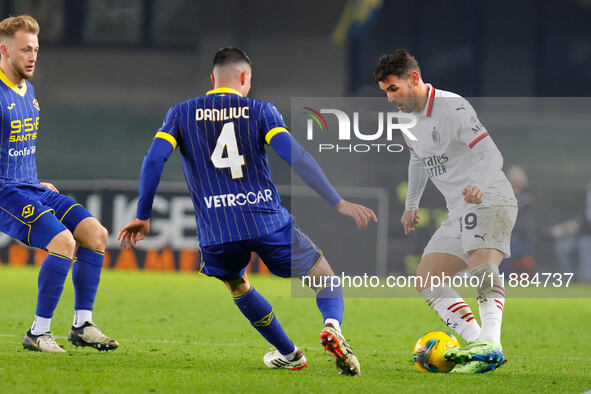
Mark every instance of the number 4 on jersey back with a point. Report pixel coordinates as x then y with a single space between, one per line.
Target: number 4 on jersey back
234 160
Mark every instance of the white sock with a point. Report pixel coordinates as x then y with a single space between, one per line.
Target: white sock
491 301
82 316
40 325
453 310
291 355
335 323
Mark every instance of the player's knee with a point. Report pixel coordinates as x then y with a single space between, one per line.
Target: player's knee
420 284
238 287
63 244
102 234
321 270
94 235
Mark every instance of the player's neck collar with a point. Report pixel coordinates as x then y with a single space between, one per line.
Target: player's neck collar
426 112
224 90
21 90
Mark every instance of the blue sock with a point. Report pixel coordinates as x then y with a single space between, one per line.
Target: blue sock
86 275
330 302
52 276
261 315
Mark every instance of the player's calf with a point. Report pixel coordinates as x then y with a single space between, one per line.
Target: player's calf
491 301
261 315
453 310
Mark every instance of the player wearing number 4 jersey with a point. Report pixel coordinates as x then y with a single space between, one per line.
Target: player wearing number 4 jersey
222 137
455 151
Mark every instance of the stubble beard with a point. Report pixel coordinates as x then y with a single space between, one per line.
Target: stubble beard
22 73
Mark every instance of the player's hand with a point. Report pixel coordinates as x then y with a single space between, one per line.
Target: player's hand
49 186
361 214
132 232
409 220
473 195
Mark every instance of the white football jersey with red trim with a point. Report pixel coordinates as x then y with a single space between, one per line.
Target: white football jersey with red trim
447 129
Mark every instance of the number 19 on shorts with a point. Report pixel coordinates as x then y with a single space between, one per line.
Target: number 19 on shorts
469 222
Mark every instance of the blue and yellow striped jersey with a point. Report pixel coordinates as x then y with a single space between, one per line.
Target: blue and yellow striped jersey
221 137
19 124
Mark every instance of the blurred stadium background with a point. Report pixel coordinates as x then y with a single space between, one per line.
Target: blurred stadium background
108 71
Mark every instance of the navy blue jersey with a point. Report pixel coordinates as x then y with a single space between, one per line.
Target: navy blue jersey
19 123
221 137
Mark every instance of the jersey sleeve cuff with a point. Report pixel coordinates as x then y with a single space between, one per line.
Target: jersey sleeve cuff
167 137
477 139
143 215
273 132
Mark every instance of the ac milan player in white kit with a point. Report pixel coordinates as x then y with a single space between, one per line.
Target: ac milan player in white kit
455 151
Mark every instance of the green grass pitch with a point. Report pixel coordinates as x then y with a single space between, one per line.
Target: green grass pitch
182 333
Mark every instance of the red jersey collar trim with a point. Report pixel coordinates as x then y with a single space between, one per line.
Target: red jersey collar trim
431 99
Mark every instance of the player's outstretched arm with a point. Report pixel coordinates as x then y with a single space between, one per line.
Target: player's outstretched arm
290 150
138 228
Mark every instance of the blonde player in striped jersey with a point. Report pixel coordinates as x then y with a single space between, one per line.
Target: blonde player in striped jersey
455 151
35 212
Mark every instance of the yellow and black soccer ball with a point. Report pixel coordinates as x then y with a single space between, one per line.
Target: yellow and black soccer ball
428 352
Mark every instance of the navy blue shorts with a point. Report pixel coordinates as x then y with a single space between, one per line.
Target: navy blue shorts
287 252
35 215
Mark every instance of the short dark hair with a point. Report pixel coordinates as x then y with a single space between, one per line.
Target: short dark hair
230 55
399 63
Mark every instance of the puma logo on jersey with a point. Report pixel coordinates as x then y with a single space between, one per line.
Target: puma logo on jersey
11 106
480 236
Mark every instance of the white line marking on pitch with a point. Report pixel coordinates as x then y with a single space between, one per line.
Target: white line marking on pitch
164 341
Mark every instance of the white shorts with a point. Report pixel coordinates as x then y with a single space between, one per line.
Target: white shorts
477 228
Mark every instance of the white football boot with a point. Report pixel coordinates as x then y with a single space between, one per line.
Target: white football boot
274 359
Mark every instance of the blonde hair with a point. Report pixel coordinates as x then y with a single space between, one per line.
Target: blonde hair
9 26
